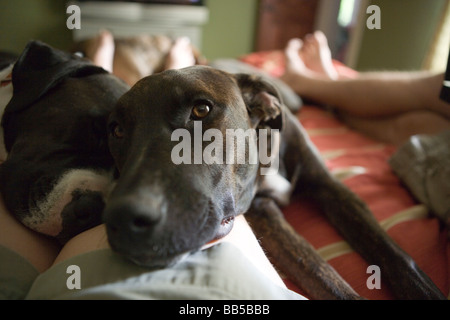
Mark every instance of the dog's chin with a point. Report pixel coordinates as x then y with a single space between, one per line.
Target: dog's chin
149 259
153 262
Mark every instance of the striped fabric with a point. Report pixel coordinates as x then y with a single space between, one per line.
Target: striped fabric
361 164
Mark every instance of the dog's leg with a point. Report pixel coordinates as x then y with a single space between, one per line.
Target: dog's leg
293 255
351 217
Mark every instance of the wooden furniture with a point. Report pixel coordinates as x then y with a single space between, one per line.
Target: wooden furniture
281 20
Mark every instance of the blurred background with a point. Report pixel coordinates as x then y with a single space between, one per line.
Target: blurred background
414 34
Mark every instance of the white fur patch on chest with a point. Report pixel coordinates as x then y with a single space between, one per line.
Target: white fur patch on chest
280 188
46 216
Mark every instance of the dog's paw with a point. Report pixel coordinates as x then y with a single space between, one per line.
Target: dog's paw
83 212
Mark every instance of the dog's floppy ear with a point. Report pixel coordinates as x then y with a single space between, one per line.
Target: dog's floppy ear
263 101
39 69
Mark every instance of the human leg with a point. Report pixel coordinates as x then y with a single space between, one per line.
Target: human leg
39 250
316 55
388 106
100 50
398 129
241 235
234 268
371 94
180 55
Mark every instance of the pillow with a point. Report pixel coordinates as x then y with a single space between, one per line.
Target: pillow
362 165
423 164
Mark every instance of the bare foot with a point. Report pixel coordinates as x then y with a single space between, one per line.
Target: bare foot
293 61
316 55
101 50
296 72
180 55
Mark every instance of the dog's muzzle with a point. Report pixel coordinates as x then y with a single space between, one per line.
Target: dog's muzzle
154 233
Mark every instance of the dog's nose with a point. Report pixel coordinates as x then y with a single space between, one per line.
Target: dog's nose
131 218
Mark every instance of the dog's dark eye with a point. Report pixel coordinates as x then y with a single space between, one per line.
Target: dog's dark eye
117 130
200 111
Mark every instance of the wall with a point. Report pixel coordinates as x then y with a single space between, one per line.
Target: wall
229 32
407 27
401 44
24 20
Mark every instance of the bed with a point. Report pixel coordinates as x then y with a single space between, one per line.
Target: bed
363 165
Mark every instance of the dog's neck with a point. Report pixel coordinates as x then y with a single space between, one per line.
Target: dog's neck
6 93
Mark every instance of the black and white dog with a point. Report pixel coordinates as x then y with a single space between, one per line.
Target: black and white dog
57 167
